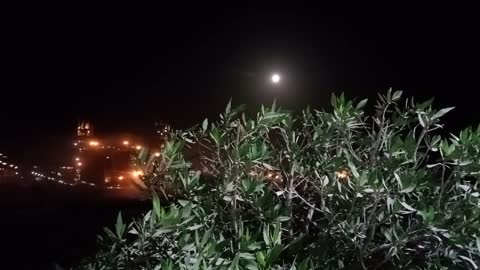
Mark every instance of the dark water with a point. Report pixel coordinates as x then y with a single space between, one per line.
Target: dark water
41 227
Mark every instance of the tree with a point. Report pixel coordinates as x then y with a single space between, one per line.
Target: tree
314 190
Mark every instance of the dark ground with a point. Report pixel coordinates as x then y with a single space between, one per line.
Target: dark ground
41 227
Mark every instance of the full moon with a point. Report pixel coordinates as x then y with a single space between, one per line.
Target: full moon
275 78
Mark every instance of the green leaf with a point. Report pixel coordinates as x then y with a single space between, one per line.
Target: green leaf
361 104
119 226
342 99
274 105
189 247
397 95
187 210
390 204
407 190
474 265
442 112
164 230
260 258
465 163
183 202
205 125
251 266
421 120
266 235
247 256
273 255
305 265
235 261
333 100
255 246
399 181
229 106
195 227
215 136
353 168
408 207
426 104
282 218
156 206
478 243
206 236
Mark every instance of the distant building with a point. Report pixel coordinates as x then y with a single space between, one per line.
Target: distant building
9 171
105 161
84 129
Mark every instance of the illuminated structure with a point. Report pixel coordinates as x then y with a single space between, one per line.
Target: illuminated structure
105 162
84 129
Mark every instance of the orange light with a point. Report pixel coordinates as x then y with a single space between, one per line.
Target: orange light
157 154
120 177
138 147
343 174
137 173
79 164
77 159
93 143
125 142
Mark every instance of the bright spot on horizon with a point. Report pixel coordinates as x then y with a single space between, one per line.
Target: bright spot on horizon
275 78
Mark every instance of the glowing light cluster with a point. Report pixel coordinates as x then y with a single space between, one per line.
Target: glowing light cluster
93 143
137 173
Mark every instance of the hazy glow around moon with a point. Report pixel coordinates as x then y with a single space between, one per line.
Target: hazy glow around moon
275 78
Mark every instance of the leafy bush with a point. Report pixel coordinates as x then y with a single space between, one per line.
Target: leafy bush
314 190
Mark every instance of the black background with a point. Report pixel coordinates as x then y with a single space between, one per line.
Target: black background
125 70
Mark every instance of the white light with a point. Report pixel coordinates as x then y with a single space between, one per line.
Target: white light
275 78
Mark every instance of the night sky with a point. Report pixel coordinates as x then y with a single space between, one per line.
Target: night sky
123 70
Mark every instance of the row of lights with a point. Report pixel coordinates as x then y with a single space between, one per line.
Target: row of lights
9 165
95 143
40 176
6 166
